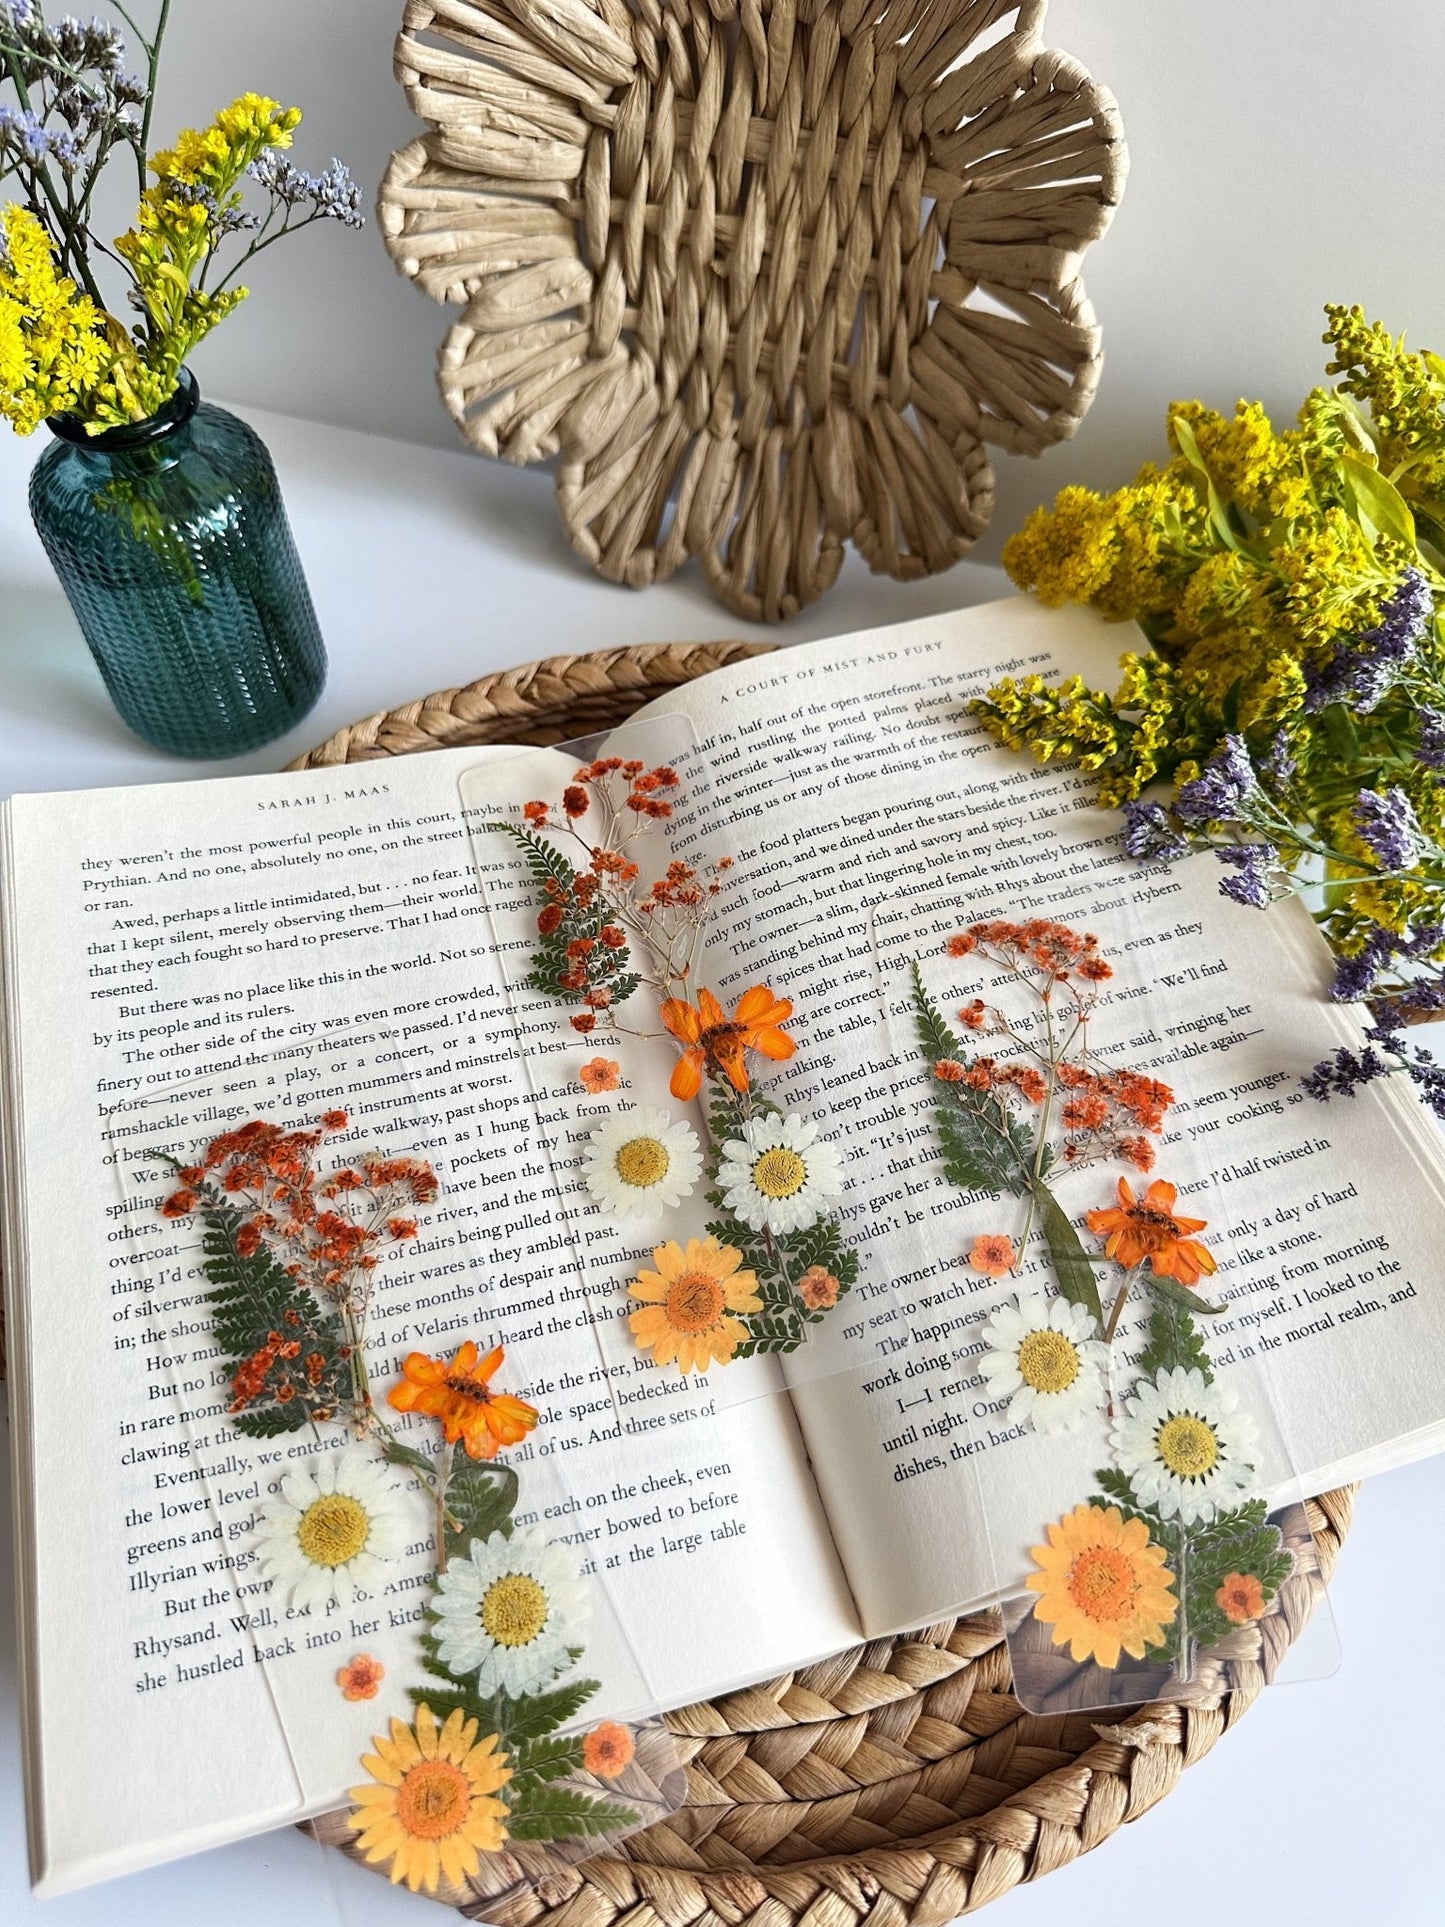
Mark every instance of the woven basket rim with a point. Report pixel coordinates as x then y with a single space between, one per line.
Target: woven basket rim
917 1879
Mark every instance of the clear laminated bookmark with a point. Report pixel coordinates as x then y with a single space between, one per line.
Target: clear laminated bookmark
1105 1264
702 1185
393 1615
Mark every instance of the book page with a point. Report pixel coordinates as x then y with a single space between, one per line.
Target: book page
180 959
871 817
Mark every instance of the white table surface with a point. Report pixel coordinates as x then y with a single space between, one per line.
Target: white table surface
429 569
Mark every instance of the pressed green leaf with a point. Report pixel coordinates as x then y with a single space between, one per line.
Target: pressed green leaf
481 1498
983 1146
548 1759
395 1453
564 1813
1174 1342
1180 1295
251 1296
1073 1267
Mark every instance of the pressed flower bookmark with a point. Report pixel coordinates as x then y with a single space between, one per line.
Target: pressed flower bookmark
1160 1580
480 1734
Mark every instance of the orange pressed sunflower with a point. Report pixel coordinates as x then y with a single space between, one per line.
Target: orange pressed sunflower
1148 1227
689 1306
460 1395
1103 1586
715 1042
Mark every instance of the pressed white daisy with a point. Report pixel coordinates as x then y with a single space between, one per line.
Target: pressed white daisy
333 1527
1185 1447
777 1176
509 1611
641 1162
1043 1357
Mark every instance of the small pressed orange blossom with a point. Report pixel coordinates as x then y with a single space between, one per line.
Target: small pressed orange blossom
1240 1598
460 1395
993 1253
715 1042
1148 1227
608 1750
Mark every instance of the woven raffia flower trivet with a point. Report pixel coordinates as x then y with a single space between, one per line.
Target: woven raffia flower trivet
766 276
899 1784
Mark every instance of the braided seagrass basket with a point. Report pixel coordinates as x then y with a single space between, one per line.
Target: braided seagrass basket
766 276
901 1783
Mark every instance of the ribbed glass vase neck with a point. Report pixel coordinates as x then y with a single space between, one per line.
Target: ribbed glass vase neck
155 428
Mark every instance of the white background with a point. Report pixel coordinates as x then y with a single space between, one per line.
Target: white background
1284 154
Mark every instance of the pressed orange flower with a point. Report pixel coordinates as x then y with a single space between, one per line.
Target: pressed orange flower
600 1074
1148 1227
1103 1586
689 1304
361 1679
718 1043
1240 1598
818 1288
460 1395
607 1750
993 1254
430 1810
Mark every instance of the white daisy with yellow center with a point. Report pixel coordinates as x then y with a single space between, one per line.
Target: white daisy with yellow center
641 1162
777 1176
1044 1359
512 1612
334 1527
1185 1447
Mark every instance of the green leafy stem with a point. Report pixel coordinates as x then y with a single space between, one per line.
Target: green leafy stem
778 1260
987 1148
1201 1556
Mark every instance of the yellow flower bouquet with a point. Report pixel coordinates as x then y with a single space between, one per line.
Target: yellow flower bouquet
162 517
1290 587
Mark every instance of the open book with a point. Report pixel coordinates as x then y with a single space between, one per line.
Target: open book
184 957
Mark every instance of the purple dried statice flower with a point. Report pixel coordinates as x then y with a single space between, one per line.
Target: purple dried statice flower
1431 748
1344 1074
1254 861
30 143
333 194
1360 671
1215 795
1355 976
1388 826
1150 835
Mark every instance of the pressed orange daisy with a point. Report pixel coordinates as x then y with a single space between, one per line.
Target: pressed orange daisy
460 1395
600 1074
1148 1227
1103 1586
607 1750
361 1678
1240 1598
689 1304
430 1808
717 1043
993 1254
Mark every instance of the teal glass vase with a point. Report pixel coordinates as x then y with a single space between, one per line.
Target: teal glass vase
171 542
